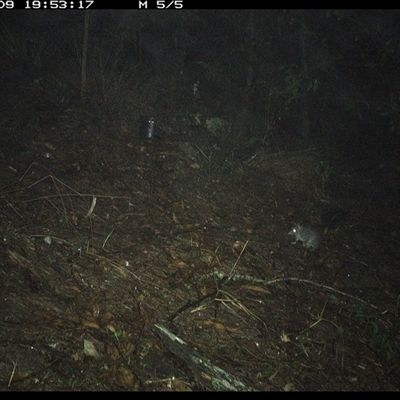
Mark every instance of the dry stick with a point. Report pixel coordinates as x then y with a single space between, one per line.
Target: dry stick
222 275
321 286
59 194
12 374
236 263
214 293
54 178
104 196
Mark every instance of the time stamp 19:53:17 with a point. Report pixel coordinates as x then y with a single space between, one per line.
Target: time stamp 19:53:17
78 4
43 5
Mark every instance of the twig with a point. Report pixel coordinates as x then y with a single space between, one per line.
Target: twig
321 286
12 373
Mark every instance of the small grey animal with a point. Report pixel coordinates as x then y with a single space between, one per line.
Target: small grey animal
308 235
150 128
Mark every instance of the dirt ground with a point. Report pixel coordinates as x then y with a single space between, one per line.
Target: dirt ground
166 264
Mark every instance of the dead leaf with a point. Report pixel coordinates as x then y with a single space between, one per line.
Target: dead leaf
90 350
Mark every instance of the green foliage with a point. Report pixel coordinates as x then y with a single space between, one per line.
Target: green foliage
215 124
375 336
296 84
269 371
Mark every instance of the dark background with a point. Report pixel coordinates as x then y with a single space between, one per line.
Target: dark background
263 119
287 79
